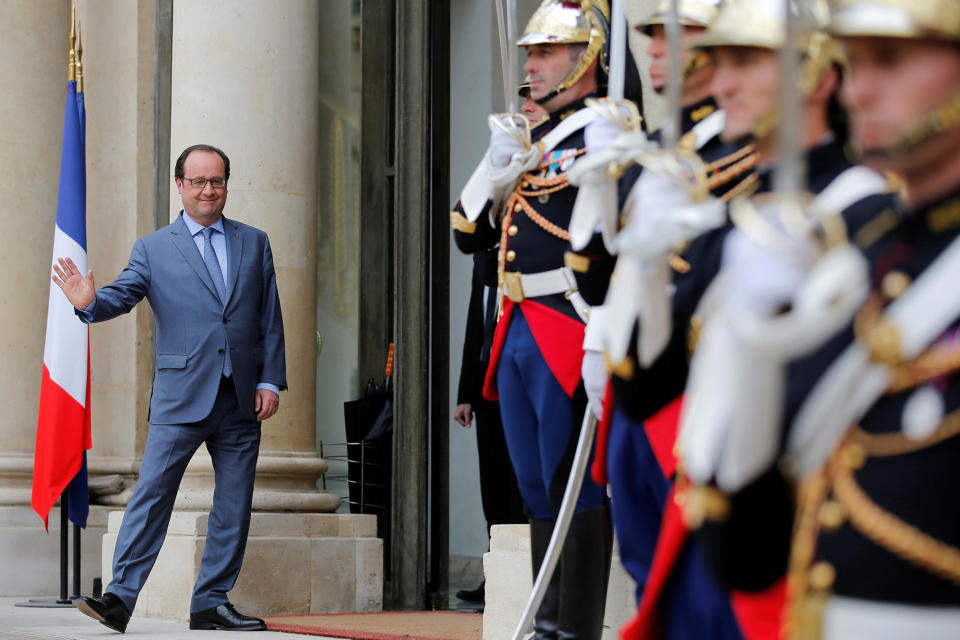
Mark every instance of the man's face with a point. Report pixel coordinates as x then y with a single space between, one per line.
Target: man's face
547 65
203 205
533 111
746 85
659 52
892 84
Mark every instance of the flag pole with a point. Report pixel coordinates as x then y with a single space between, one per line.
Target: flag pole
74 78
64 545
76 563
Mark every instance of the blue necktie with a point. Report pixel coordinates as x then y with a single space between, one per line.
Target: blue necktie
213 266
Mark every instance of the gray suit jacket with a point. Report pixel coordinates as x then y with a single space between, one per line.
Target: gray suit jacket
193 328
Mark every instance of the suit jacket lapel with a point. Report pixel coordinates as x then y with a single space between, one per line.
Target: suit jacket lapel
188 249
234 252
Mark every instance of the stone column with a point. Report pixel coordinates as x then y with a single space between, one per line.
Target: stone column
245 80
33 74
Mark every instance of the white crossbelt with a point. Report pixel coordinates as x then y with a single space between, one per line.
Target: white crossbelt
545 283
853 619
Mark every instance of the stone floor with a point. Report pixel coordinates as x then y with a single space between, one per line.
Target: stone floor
22 623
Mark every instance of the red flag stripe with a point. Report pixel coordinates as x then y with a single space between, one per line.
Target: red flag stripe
62 434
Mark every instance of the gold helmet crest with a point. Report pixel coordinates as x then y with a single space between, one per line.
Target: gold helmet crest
938 19
762 23
571 22
691 13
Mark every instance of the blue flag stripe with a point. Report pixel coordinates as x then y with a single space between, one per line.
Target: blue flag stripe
72 197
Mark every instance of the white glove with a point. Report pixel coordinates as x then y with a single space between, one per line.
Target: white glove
511 152
594 372
502 165
600 134
596 209
764 277
663 215
504 144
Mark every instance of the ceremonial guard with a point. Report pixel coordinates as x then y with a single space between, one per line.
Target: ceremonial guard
518 203
635 466
682 600
860 421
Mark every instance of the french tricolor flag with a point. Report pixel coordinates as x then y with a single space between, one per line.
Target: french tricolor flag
63 425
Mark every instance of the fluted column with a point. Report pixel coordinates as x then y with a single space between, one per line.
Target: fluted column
33 74
245 79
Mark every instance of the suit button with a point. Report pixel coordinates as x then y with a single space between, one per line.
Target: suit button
225 321
220 351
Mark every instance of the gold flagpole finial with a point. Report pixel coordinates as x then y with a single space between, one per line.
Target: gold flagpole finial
79 60
72 66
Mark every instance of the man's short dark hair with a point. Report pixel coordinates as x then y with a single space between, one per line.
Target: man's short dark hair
574 49
178 168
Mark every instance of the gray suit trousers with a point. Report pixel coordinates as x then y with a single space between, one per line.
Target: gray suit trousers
233 441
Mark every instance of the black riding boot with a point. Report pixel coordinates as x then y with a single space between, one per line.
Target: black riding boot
545 619
584 572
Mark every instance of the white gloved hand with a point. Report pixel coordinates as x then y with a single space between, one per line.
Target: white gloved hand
504 144
511 153
762 277
594 372
663 215
600 134
609 143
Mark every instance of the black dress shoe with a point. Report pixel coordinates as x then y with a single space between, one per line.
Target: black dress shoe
473 595
224 616
109 610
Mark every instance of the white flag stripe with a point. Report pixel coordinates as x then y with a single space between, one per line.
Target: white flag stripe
65 345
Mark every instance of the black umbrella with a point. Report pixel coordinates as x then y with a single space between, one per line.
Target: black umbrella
369 429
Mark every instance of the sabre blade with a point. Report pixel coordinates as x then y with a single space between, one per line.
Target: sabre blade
671 128
504 55
618 50
510 76
578 471
789 176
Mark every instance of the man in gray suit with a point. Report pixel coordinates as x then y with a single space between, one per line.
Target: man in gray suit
219 370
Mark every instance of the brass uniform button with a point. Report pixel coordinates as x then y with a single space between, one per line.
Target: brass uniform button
511 255
832 515
894 284
822 576
512 230
524 184
518 208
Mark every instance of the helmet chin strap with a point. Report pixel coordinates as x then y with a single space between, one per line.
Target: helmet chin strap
697 61
946 117
811 74
550 96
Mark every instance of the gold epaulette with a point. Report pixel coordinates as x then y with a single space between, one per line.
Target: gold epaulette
944 217
699 114
879 226
678 264
693 333
700 503
459 223
624 369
